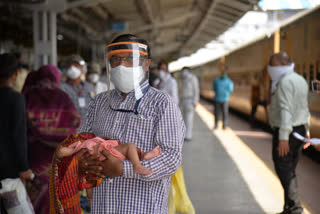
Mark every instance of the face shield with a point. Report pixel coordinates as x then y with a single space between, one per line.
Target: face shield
126 64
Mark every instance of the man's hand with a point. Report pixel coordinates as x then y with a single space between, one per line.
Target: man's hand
26 175
283 148
306 145
88 164
111 166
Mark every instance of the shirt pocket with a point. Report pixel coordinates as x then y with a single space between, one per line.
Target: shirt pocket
140 131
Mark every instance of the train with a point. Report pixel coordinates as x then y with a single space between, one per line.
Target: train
299 37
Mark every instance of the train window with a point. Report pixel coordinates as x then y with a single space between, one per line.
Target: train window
304 73
297 68
318 70
311 76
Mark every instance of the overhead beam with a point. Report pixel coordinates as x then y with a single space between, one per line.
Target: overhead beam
169 23
231 13
85 3
220 20
204 38
227 7
100 12
87 27
147 10
224 15
48 5
61 5
85 16
163 50
203 22
238 4
79 13
84 42
216 28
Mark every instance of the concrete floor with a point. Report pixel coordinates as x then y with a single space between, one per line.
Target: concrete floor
213 180
223 181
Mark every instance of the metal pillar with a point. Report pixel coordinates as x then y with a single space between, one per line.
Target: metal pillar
45 38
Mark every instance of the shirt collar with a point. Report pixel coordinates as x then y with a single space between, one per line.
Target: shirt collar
130 100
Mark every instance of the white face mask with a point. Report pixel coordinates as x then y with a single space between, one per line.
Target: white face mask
73 72
94 78
162 74
184 72
126 79
276 72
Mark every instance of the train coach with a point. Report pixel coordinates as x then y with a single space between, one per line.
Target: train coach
299 37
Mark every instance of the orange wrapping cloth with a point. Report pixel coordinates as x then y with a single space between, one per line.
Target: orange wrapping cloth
65 181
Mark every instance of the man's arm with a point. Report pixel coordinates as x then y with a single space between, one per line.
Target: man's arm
196 90
19 135
169 136
307 126
285 96
231 86
174 89
214 85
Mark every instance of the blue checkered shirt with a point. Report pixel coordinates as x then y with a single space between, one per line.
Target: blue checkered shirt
159 122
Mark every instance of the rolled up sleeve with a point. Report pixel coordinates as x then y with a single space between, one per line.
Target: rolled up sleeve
169 136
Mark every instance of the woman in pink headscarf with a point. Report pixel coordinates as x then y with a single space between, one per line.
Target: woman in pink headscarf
52 117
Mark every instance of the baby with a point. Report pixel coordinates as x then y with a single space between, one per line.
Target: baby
127 151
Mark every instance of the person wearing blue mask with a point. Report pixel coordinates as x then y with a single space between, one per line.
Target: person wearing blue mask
222 87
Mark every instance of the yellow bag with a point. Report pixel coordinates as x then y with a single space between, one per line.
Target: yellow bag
179 200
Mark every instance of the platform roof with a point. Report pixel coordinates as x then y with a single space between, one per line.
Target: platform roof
173 28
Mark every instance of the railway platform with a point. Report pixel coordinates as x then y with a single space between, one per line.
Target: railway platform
231 171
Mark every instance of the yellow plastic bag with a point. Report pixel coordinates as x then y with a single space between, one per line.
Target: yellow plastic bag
179 200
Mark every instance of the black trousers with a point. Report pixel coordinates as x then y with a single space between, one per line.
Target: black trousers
286 169
221 108
254 110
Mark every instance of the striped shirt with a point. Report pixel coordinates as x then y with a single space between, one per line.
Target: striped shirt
159 122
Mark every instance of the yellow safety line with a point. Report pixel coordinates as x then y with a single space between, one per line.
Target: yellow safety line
243 155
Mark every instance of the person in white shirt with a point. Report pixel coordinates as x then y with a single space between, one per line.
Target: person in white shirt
188 99
93 76
167 82
80 91
288 113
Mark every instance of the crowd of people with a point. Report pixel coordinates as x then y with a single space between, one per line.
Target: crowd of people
127 103
44 107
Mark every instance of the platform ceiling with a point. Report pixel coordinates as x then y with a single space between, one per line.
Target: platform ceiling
173 28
